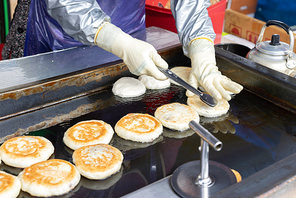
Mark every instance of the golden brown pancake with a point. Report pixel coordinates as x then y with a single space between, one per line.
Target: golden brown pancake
202 109
24 151
176 116
97 161
138 127
10 185
49 178
88 133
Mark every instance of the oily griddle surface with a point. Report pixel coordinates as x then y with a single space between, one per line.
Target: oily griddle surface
255 134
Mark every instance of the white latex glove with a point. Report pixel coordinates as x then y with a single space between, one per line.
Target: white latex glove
205 73
139 56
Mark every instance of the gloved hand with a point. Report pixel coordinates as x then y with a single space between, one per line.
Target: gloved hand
205 73
140 57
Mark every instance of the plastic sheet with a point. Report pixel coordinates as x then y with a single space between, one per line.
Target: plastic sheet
44 34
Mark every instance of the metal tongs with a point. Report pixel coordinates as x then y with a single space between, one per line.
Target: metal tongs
206 98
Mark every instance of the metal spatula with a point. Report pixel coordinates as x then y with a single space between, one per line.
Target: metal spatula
206 98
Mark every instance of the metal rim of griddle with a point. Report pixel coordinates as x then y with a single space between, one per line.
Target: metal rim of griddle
184 178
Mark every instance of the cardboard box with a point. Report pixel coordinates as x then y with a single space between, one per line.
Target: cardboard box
249 28
244 7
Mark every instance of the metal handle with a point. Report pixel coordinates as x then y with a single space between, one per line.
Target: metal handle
281 25
206 135
206 139
206 98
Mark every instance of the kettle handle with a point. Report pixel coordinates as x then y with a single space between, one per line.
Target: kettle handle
281 25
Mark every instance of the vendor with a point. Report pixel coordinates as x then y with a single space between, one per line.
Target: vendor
57 24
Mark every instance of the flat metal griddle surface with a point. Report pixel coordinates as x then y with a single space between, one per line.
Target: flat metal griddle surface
263 136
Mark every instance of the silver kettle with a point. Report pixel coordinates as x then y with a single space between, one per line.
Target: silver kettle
275 54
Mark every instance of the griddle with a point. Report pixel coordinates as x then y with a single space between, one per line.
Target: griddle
264 135
263 138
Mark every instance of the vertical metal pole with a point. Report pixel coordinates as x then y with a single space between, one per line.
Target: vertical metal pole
204 179
206 139
204 172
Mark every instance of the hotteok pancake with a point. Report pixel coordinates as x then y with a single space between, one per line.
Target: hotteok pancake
88 133
138 127
10 185
128 87
24 151
49 178
176 116
152 83
202 109
97 161
182 72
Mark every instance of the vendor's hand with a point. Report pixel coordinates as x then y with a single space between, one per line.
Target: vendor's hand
205 73
140 57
